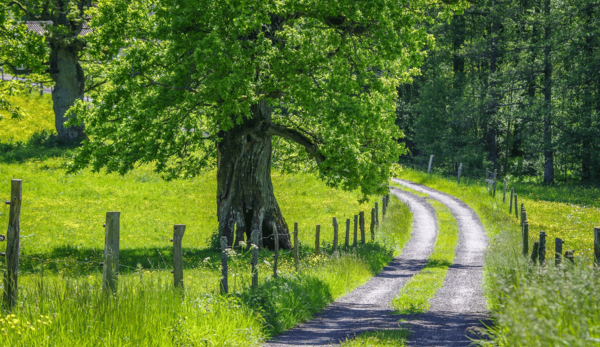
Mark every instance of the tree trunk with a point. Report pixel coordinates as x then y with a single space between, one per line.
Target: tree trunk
244 190
548 150
68 77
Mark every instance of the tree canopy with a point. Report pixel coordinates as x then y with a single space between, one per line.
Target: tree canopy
185 72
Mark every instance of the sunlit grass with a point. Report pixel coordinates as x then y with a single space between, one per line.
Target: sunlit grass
39 117
532 306
415 295
379 338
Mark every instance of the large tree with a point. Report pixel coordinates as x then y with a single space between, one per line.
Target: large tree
199 81
45 42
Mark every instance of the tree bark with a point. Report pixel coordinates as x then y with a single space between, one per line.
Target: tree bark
548 150
245 199
69 81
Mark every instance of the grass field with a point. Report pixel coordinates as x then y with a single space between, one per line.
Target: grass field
60 300
533 306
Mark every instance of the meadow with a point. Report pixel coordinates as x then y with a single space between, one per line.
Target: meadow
60 298
532 305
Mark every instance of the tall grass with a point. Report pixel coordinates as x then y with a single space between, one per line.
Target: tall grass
73 310
532 306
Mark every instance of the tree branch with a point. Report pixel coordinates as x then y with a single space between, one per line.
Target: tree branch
294 135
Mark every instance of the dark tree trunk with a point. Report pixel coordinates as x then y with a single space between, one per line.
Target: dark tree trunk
69 81
548 150
245 199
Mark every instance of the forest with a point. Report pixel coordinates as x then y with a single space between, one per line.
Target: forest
512 86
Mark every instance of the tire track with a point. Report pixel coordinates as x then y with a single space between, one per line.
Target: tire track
459 305
369 307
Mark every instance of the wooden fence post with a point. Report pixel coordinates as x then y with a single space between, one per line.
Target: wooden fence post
224 286
317 241
558 251
569 256
296 259
178 232
111 252
355 244
13 245
255 235
525 235
347 243
376 214
362 226
504 192
597 246
495 182
276 255
383 207
459 172
516 206
535 252
542 248
430 162
512 193
335 234
372 225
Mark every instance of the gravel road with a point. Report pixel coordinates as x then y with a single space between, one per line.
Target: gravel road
457 309
459 305
369 306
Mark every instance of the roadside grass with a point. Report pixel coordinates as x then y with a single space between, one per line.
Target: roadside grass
533 306
415 294
148 312
379 338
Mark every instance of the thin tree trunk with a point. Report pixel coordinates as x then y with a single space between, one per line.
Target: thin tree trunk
548 150
244 189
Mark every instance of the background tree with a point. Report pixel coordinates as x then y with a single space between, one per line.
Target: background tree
51 49
206 81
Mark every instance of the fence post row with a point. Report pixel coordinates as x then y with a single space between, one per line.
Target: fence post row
516 205
255 237
504 192
355 243
347 243
459 172
525 238
495 182
558 251
376 214
224 286
362 226
542 249
535 252
296 259
430 162
111 252
317 241
512 193
372 226
276 255
178 231
335 234
13 245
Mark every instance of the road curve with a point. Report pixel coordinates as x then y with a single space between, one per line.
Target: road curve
369 306
459 305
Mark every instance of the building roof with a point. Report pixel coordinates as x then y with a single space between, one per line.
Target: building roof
39 27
